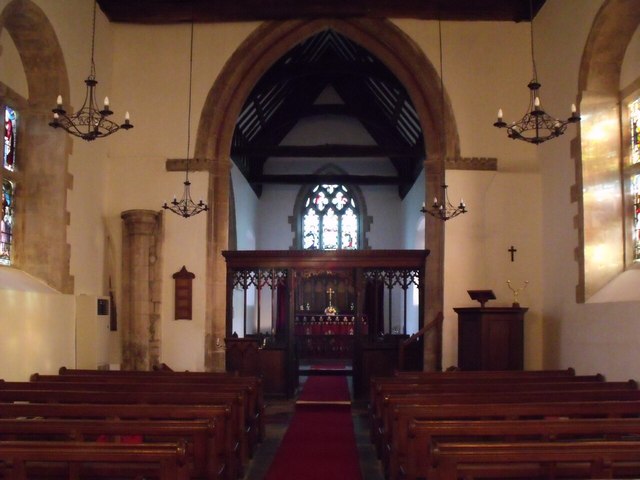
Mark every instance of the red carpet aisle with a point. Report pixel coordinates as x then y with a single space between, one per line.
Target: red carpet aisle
320 443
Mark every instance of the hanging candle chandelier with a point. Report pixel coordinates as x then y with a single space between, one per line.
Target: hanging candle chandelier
443 209
186 207
536 126
89 122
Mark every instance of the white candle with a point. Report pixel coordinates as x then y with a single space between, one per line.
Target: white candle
126 116
500 114
106 102
59 100
536 103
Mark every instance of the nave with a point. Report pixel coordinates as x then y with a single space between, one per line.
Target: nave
180 425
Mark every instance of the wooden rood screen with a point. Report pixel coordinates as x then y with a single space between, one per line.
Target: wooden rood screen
344 304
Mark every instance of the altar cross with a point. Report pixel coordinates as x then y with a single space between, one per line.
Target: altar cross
330 292
512 251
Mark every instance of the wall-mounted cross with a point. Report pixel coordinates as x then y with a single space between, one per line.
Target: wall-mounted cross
512 251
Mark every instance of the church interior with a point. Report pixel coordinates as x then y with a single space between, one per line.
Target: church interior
283 185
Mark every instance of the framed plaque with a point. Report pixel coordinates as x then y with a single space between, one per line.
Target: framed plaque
183 294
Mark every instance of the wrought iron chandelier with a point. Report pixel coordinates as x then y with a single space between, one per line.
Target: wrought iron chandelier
186 207
89 122
536 126
444 209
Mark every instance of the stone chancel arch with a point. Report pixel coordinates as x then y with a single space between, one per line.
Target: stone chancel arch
224 102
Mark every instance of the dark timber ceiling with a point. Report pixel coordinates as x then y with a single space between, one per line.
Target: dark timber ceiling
177 11
371 94
287 92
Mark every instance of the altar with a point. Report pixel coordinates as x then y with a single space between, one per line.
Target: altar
313 304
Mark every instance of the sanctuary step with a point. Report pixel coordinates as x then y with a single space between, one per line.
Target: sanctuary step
338 367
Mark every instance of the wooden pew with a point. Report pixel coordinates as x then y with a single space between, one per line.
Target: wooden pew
219 415
90 459
204 443
478 393
385 389
567 372
425 434
588 459
234 400
206 381
394 438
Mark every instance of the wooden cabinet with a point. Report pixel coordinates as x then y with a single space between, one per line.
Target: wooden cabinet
491 338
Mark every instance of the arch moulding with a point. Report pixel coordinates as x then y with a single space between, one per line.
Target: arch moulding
242 71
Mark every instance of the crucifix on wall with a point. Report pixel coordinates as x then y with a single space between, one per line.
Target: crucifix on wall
512 250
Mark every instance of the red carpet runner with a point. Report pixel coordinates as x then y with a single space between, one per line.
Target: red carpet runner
319 443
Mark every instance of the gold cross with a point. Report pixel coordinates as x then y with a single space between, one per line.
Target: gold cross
330 292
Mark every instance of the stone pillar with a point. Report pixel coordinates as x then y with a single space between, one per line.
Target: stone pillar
141 281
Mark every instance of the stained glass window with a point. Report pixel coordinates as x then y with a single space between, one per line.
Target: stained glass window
634 150
635 194
9 154
330 219
634 122
6 222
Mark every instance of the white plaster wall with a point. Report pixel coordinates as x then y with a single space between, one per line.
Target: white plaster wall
503 211
590 337
151 67
37 333
246 205
486 66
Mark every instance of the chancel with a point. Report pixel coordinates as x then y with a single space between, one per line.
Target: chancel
315 132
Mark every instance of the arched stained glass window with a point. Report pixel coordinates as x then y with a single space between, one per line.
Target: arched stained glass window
330 219
8 186
9 155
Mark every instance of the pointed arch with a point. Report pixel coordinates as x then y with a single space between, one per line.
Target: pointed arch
223 104
42 217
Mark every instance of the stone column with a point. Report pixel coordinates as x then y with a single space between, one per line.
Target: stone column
141 237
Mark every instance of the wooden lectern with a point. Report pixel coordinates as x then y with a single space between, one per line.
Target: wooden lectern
490 338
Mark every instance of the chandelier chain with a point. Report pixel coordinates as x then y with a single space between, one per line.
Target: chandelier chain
93 41
442 122
533 57
189 106
443 209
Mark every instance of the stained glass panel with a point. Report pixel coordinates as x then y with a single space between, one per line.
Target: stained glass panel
310 230
330 230
9 155
634 121
349 230
635 194
6 222
330 219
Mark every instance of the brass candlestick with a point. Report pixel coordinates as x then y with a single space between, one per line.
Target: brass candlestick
516 291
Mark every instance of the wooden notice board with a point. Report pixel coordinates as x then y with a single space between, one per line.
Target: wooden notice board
183 294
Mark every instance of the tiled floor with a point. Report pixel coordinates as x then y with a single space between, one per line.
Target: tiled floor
277 418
